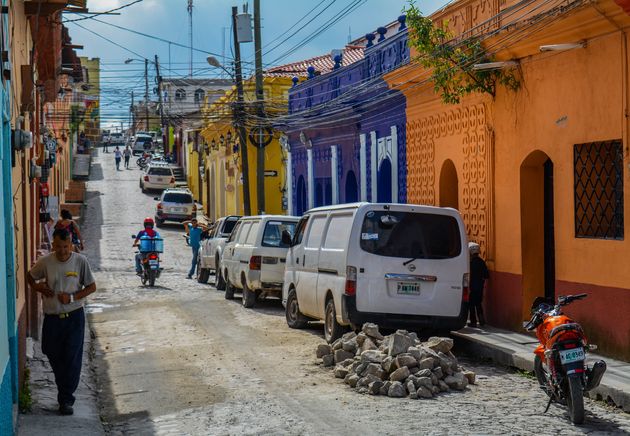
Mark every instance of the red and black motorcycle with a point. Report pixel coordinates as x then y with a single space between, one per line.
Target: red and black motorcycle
560 362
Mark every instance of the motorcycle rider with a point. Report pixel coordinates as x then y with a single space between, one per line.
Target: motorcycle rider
148 231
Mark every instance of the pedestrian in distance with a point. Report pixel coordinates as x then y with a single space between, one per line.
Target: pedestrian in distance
66 222
127 154
194 230
478 276
117 157
65 279
106 144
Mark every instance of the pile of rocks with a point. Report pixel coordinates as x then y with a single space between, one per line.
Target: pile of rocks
396 365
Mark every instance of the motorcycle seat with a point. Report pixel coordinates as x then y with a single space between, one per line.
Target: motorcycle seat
565 327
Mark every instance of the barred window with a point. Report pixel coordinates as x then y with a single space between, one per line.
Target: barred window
598 190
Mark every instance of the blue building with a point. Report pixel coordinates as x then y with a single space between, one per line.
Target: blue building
8 325
346 129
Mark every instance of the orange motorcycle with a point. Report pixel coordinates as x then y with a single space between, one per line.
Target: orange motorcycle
560 362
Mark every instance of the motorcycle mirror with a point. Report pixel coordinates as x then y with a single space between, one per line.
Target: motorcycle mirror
156 198
133 236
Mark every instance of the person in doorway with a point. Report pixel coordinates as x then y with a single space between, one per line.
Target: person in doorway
127 154
478 276
194 230
65 279
117 157
148 231
66 222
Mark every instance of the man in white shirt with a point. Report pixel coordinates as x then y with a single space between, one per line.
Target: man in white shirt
65 280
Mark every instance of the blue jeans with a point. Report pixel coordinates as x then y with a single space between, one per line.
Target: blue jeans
195 252
139 257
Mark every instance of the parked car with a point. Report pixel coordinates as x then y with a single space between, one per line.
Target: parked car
211 249
396 265
175 204
141 144
254 256
157 176
117 138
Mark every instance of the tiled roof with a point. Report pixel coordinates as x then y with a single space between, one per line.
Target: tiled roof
323 64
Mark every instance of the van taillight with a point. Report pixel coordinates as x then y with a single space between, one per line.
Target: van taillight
146 178
254 262
159 205
172 179
194 208
465 288
351 280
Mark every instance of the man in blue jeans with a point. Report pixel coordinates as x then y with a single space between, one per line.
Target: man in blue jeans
194 230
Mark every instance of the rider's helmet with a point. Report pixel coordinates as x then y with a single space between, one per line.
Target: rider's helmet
474 248
148 222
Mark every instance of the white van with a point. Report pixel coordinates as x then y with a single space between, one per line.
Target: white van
398 265
254 256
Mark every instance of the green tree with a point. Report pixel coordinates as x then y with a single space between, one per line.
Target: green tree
451 61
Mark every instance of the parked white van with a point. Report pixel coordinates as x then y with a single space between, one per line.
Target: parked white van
398 265
254 256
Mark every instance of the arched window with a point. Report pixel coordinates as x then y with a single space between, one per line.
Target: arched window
180 94
199 96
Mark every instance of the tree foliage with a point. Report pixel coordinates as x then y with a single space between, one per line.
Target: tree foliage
451 61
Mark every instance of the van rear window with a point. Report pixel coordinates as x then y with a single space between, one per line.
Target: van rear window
158 171
410 235
273 233
175 197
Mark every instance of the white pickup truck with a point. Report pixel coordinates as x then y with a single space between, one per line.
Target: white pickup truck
211 248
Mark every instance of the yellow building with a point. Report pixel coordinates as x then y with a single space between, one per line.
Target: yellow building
219 152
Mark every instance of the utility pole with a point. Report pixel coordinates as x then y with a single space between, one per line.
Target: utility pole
190 33
146 93
133 116
260 96
159 89
239 115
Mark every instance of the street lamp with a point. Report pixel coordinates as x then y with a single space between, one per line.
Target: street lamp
214 62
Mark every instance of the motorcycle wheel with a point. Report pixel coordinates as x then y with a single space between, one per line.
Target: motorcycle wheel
152 277
144 278
575 400
542 376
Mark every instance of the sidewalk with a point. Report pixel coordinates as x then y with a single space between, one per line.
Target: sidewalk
516 350
44 419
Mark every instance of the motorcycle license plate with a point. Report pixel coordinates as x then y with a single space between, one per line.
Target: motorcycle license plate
153 262
407 288
572 355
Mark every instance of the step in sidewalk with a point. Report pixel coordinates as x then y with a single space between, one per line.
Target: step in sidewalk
517 350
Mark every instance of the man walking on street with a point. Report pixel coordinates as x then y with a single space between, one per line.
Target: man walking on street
67 280
194 229
127 155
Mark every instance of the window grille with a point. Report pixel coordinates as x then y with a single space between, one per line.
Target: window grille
598 183
180 94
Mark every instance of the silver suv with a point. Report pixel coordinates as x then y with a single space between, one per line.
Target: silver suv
175 204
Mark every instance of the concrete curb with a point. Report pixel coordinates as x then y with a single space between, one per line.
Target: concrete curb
516 350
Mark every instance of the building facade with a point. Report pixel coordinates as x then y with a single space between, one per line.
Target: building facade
539 174
346 129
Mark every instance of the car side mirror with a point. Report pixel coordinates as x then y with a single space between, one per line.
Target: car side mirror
156 198
133 236
287 239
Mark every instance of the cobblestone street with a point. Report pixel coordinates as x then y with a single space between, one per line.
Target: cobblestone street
180 359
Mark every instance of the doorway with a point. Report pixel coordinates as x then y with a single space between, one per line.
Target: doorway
449 185
352 191
384 193
537 229
300 197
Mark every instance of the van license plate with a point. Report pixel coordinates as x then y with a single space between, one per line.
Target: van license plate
407 288
159 179
572 355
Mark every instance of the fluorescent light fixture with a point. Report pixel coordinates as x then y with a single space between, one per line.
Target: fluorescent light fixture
562 47
495 65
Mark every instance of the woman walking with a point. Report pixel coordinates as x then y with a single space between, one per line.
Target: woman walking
118 157
66 222
127 154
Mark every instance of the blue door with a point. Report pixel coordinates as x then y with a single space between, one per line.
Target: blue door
385 182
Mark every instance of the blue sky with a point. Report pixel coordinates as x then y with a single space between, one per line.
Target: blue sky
168 19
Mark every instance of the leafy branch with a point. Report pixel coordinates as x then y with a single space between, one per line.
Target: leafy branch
451 63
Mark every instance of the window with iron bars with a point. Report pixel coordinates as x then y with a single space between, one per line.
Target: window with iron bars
598 187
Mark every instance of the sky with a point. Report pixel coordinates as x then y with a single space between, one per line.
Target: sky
291 30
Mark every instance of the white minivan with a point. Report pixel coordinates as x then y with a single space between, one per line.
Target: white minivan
254 256
397 265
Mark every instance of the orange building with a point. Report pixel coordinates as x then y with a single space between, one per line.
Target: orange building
540 174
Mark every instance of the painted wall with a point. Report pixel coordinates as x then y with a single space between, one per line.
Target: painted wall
346 132
498 147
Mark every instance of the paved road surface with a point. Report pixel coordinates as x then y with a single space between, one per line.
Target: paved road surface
180 359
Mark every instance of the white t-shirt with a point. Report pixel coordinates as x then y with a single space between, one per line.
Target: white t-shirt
69 277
